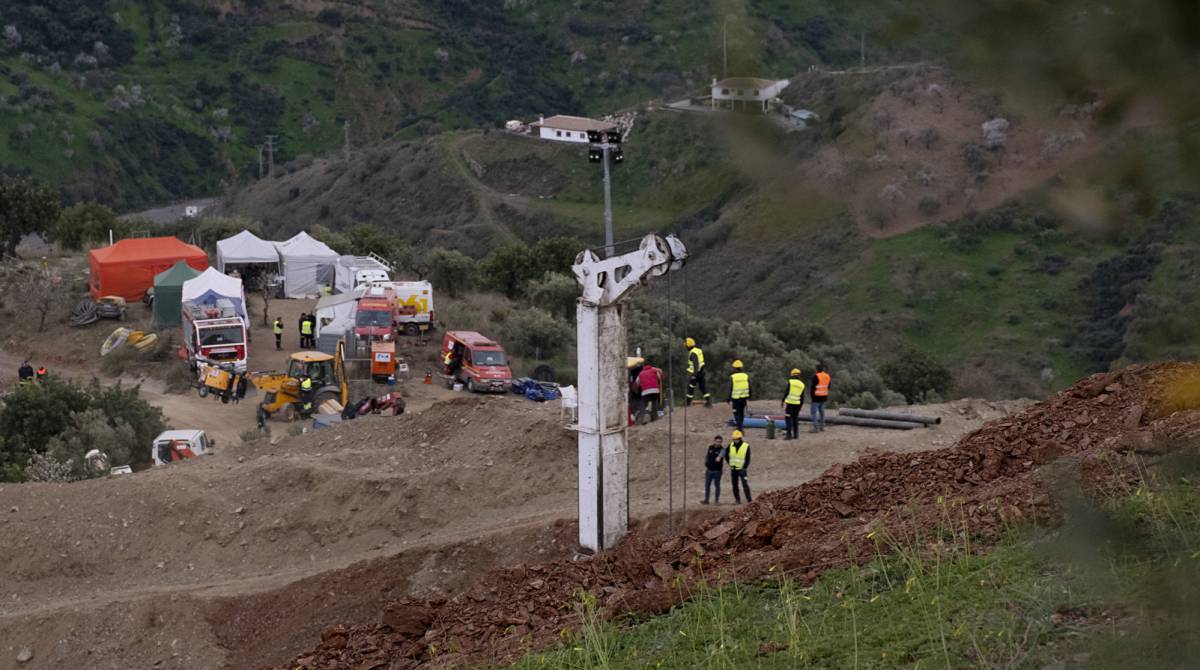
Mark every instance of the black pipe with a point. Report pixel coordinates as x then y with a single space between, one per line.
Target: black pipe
890 416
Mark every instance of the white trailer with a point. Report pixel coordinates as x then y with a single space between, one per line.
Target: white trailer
350 272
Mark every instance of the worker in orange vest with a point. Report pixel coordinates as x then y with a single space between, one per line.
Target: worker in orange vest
820 393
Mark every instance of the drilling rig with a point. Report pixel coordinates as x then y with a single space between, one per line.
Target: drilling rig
603 381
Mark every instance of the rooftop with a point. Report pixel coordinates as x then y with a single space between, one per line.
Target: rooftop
575 123
746 82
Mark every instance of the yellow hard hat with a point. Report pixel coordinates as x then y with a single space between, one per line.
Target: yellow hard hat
737 365
689 342
795 372
737 434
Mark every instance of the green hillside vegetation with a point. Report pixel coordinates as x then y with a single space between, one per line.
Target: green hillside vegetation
130 102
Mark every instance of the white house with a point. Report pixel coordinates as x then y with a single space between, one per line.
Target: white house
562 128
746 93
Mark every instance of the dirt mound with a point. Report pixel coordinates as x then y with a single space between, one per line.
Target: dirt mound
989 477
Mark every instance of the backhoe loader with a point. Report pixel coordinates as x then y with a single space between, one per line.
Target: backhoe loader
282 393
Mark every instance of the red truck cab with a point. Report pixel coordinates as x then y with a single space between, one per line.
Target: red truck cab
476 361
375 317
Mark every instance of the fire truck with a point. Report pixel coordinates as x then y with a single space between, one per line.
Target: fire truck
214 333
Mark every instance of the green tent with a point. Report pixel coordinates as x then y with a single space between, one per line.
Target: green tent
168 293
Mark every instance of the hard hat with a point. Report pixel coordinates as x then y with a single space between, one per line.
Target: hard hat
737 434
795 372
689 342
737 365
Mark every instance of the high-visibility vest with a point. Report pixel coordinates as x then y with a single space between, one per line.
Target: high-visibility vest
822 389
737 455
306 384
693 368
795 394
741 385
278 328
306 327
448 358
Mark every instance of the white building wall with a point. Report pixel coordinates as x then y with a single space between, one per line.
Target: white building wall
560 135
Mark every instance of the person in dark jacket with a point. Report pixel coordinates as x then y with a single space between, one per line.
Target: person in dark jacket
25 373
712 470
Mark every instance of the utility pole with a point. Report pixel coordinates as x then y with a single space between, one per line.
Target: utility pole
346 134
260 161
862 49
270 155
725 49
603 145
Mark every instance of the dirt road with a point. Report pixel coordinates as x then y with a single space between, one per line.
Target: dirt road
245 554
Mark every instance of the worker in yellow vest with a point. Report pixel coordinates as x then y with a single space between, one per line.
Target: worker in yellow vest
695 369
793 400
737 455
306 333
739 393
820 393
277 328
306 395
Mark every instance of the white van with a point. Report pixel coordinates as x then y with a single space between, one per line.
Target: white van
176 445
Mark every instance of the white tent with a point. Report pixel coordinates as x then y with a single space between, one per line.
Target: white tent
245 248
338 309
306 264
212 286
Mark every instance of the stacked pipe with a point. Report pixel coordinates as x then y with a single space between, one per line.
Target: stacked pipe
890 416
851 417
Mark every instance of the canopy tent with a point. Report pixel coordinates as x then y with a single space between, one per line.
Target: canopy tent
210 286
245 248
128 267
168 292
306 264
335 309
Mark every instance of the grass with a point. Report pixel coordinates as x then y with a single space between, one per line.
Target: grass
1011 292
1099 588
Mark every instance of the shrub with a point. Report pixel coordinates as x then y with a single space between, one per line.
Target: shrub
556 293
864 400
929 206
914 373
63 420
83 223
535 332
451 271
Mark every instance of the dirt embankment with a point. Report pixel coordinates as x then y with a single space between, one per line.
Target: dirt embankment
992 474
242 557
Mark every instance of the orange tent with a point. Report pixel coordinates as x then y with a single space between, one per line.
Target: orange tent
127 268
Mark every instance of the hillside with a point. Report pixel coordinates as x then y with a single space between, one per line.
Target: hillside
133 102
892 222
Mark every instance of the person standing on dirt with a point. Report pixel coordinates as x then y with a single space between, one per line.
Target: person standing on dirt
820 393
306 331
649 384
712 469
739 393
737 454
277 328
41 375
300 327
695 371
25 373
793 400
